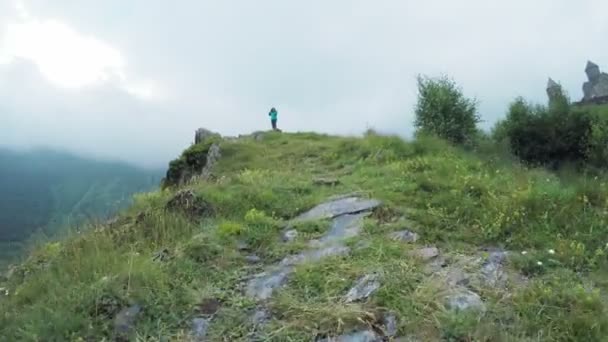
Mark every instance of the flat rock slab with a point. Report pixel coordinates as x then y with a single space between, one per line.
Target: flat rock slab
464 300
359 336
390 325
343 227
315 255
264 284
364 288
426 253
200 327
253 259
404 236
125 320
261 316
338 207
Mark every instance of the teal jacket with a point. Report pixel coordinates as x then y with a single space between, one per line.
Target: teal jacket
273 115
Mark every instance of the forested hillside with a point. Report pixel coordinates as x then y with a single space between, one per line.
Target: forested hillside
43 191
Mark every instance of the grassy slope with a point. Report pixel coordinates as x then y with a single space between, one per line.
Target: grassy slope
460 202
59 190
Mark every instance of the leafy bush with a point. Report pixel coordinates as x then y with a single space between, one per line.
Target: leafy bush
443 110
550 136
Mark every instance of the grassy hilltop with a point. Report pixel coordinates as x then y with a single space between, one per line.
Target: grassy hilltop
181 259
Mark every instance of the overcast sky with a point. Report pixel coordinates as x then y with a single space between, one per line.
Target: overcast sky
133 79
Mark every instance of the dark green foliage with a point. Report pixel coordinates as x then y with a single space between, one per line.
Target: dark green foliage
44 191
555 135
191 162
443 110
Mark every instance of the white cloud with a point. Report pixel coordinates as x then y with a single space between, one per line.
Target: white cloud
140 76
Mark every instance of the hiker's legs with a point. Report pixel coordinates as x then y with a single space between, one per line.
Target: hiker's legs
274 124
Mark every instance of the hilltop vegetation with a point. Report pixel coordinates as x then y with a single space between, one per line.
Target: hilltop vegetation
43 192
297 237
179 255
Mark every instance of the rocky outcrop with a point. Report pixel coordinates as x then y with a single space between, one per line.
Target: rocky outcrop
197 161
597 84
203 134
347 214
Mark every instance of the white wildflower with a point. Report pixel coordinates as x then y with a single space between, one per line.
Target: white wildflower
539 263
551 251
524 252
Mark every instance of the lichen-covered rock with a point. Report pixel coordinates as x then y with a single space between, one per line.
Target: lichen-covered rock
426 253
253 259
290 235
200 327
263 285
339 207
359 336
124 321
597 84
364 288
462 300
404 236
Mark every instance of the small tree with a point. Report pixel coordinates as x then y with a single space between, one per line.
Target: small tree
443 110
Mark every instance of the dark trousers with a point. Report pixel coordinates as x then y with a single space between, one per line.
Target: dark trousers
274 124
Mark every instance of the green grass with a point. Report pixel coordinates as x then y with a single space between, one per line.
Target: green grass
456 200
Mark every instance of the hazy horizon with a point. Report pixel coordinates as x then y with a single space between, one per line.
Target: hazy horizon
132 80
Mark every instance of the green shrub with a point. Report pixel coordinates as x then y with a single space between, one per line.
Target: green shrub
550 136
443 110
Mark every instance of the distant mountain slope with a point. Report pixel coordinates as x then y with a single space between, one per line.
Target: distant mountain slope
44 191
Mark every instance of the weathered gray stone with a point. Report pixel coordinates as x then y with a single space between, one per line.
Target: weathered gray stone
364 288
359 336
390 325
553 89
213 155
203 134
463 299
315 255
426 253
261 316
597 84
253 259
456 276
125 320
263 285
404 236
200 327
343 227
435 265
492 270
335 208
290 235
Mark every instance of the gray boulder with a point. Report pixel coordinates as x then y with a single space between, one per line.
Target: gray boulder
203 134
200 327
359 336
404 236
338 207
364 288
124 321
426 253
463 300
290 235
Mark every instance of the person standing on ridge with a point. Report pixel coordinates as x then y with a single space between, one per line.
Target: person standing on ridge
273 118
